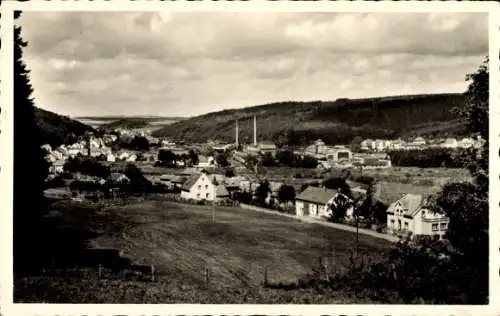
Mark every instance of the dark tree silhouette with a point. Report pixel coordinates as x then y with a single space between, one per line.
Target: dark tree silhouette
167 157
221 160
286 193
193 157
337 183
356 144
262 192
467 204
30 167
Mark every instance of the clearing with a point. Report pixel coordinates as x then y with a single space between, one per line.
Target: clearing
183 243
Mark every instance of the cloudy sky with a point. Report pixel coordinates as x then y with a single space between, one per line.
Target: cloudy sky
183 64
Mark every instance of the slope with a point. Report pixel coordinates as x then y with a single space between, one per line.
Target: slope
55 129
334 121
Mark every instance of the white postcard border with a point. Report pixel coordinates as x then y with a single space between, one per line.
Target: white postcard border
6 157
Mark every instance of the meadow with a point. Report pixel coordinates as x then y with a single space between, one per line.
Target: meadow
195 259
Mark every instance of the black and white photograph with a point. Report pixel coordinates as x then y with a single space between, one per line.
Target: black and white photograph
267 157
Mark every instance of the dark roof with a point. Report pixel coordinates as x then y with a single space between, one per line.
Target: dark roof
188 184
167 177
221 191
411 203
316 195
179 179
118 177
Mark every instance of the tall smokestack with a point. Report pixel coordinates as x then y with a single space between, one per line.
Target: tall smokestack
237 134
255 131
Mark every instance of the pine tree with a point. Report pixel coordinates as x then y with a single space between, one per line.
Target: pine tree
30 167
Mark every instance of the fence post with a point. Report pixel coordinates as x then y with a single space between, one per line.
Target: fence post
152 273
207 278
100 270
266 282
394 274
320 267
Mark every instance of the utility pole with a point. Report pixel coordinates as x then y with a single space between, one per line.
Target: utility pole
357 235
213 203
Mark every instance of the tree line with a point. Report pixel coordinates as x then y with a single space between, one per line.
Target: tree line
429 158
287 158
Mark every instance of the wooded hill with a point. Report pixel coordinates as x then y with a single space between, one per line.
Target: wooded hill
138 122
55 129
333 121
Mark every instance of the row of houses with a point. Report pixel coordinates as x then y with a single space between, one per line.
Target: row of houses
381 145
408 216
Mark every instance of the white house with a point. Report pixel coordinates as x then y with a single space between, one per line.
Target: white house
450 143
466 143
201 186
132 158
409 216
123 155
419 141
366 145
204 161
57 167
314 201
339 154
111 158
46 147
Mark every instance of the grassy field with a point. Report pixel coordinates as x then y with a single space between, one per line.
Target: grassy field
183 243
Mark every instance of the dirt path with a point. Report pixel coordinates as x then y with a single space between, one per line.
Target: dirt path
308 219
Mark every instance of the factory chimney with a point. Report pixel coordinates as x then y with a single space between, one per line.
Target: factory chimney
237 135
255 131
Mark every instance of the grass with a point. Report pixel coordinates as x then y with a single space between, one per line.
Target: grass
181 242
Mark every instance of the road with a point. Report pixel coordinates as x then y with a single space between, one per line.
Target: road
324 223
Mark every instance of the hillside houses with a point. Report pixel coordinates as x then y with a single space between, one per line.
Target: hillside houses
382 145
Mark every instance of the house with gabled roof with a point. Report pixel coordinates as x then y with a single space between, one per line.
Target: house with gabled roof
313 201
203 186
410 216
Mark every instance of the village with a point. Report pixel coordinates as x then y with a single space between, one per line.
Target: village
221 173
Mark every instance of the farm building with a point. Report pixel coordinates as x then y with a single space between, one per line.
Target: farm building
409 216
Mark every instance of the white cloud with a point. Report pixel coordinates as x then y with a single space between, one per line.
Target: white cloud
190 63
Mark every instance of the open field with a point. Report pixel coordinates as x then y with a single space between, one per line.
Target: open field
182 242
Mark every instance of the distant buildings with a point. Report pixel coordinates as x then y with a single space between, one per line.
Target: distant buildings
381 145
337 154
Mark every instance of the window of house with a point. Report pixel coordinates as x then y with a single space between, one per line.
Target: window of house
206 186
198 195
407 225
443 226
199 187
434 227
207 195
392 222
